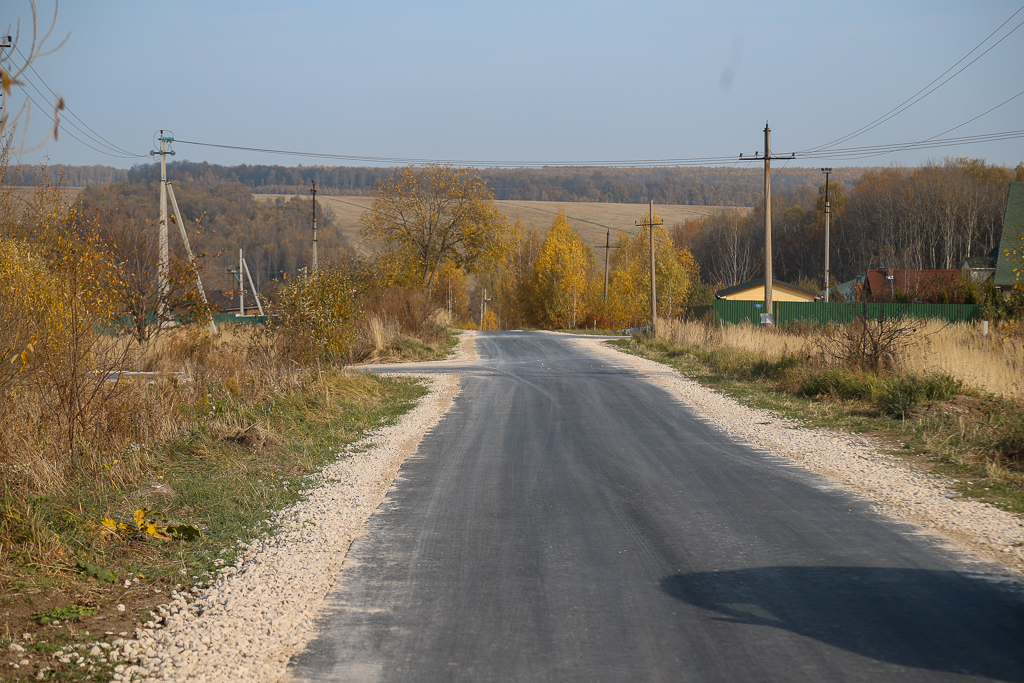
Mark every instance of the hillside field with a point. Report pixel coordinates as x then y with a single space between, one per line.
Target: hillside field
591 219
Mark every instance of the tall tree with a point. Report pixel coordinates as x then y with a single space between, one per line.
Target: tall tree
516 295
565 277
675 272
434 213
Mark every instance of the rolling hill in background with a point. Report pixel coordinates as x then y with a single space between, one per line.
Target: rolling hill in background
591 219
739 185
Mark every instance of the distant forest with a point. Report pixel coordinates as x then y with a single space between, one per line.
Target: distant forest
702 186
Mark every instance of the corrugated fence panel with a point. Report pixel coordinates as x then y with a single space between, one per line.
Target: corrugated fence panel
736 312
823 313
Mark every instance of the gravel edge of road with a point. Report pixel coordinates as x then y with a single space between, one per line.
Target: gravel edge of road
852 461
262 610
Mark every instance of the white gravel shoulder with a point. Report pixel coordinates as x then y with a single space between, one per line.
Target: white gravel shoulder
852 461
260 611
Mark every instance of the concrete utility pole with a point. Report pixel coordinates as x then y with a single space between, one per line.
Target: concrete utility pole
654 302
241 285
164 260
483 308
828 211
315 263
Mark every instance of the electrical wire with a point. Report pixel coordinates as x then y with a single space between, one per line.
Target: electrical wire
639 163
94 136
880 150
65 122
56 122
917 97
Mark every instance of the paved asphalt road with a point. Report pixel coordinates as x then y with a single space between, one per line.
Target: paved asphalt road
569 521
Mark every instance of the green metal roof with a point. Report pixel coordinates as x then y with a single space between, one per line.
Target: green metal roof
1013 234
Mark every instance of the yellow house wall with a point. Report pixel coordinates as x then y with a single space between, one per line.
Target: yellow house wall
778 294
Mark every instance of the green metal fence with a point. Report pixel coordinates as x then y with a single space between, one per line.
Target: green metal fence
823 313
736 312
784 312
244 320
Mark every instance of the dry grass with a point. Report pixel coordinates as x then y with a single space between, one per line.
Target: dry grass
193 371
991 365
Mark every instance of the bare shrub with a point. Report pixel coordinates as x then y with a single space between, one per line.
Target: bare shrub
875 345
414 313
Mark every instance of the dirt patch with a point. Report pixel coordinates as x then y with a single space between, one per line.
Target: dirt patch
966 407
118 612
256 439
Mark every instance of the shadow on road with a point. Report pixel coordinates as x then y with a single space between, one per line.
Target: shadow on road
934 620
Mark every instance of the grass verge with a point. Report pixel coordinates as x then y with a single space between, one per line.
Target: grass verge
225 482
977 440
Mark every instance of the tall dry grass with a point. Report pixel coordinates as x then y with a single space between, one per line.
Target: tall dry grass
185 374
990 364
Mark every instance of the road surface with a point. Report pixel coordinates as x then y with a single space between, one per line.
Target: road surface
569 521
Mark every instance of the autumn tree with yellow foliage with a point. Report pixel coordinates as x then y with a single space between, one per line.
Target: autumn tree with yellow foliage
516 291
565 279
427 216
629 299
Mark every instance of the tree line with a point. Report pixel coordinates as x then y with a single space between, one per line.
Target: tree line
221 217
739 185
929 217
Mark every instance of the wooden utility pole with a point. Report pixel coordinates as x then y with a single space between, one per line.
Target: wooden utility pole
768 274
607 246
654 302
315 262
767 317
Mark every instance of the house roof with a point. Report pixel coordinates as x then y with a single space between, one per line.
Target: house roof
1013 233
848 289
909 280
759 282
976 262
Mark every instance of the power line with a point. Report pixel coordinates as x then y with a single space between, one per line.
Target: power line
92 134
641 163
880 150
95 149
917 97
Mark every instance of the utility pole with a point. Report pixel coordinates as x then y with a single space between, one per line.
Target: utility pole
483 308
7 42
654 302
767 317
607 247
314 227
828 211
241 286
164 260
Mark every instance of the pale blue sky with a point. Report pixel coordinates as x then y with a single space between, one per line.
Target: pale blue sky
527 81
